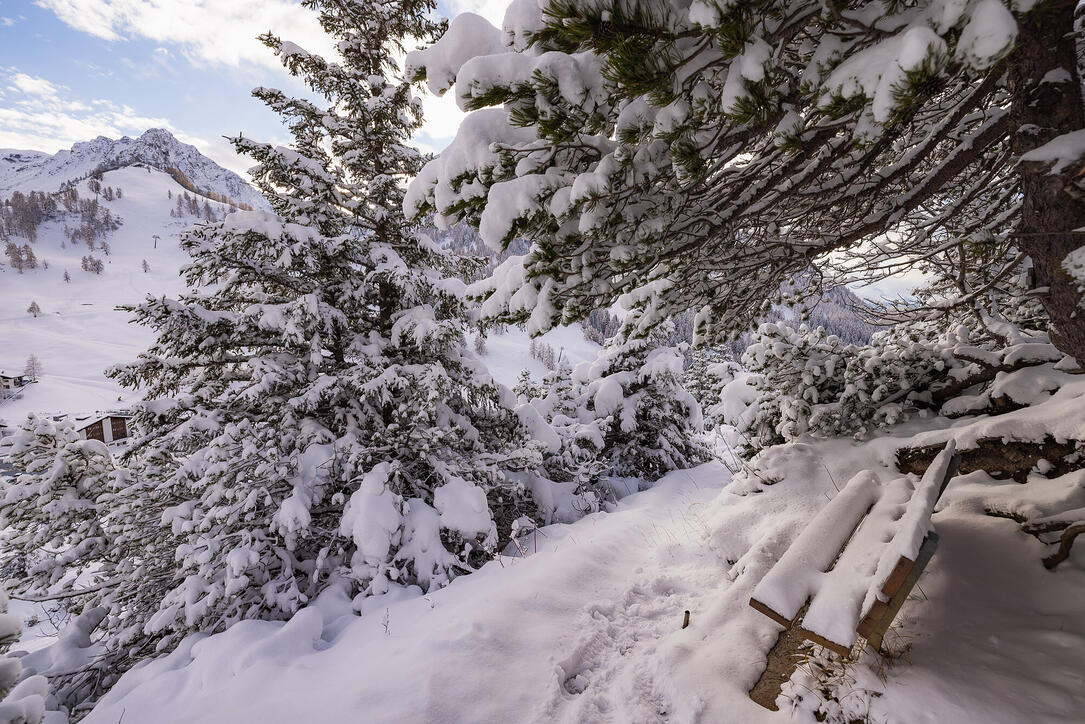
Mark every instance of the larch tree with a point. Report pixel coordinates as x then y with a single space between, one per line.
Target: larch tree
313 412
33 368
701 155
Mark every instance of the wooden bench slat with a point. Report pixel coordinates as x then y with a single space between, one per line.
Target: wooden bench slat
791 582
897 575
770 613
847 585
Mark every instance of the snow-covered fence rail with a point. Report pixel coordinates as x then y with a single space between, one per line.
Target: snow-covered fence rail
848 573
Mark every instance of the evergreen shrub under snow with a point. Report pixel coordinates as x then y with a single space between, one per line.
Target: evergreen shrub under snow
808 382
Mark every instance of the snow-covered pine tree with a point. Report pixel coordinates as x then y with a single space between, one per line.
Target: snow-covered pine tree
50 519
525 388
578 456
705 377
800 377
649 422
313 411
700 155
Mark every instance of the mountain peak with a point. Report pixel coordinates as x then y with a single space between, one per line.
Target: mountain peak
155 147
158 133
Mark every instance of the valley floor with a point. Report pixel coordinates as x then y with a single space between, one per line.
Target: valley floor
587 626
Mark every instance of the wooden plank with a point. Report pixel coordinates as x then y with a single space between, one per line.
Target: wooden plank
926 552
897 576
758 606
870 621
896 579
822 641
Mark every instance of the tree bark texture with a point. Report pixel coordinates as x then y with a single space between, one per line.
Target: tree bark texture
1045 106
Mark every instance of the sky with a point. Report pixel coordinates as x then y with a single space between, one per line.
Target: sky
72 70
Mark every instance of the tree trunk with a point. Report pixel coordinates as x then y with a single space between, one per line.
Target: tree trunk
1044 107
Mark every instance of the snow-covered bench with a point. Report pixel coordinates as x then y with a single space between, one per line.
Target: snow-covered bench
848 573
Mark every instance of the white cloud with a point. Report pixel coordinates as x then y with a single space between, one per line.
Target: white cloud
207 32
32 85
39 115
223 32
442 118
6 22
899 286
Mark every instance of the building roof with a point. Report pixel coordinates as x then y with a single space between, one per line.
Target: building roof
85 421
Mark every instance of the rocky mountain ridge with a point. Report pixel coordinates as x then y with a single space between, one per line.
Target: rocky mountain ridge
158 148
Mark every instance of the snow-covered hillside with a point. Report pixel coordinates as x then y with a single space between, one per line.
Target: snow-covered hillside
35 171
80 332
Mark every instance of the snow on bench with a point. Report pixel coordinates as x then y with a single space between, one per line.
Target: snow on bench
848 572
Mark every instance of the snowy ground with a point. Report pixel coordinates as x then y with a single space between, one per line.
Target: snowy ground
588 628
507 352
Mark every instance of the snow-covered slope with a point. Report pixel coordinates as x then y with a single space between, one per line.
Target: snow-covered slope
588 626
506 353
35 171
16 166
80 332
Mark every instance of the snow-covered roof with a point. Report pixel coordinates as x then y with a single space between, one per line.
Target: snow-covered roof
84 421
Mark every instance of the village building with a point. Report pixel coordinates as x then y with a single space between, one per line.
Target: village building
12 381
107 427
